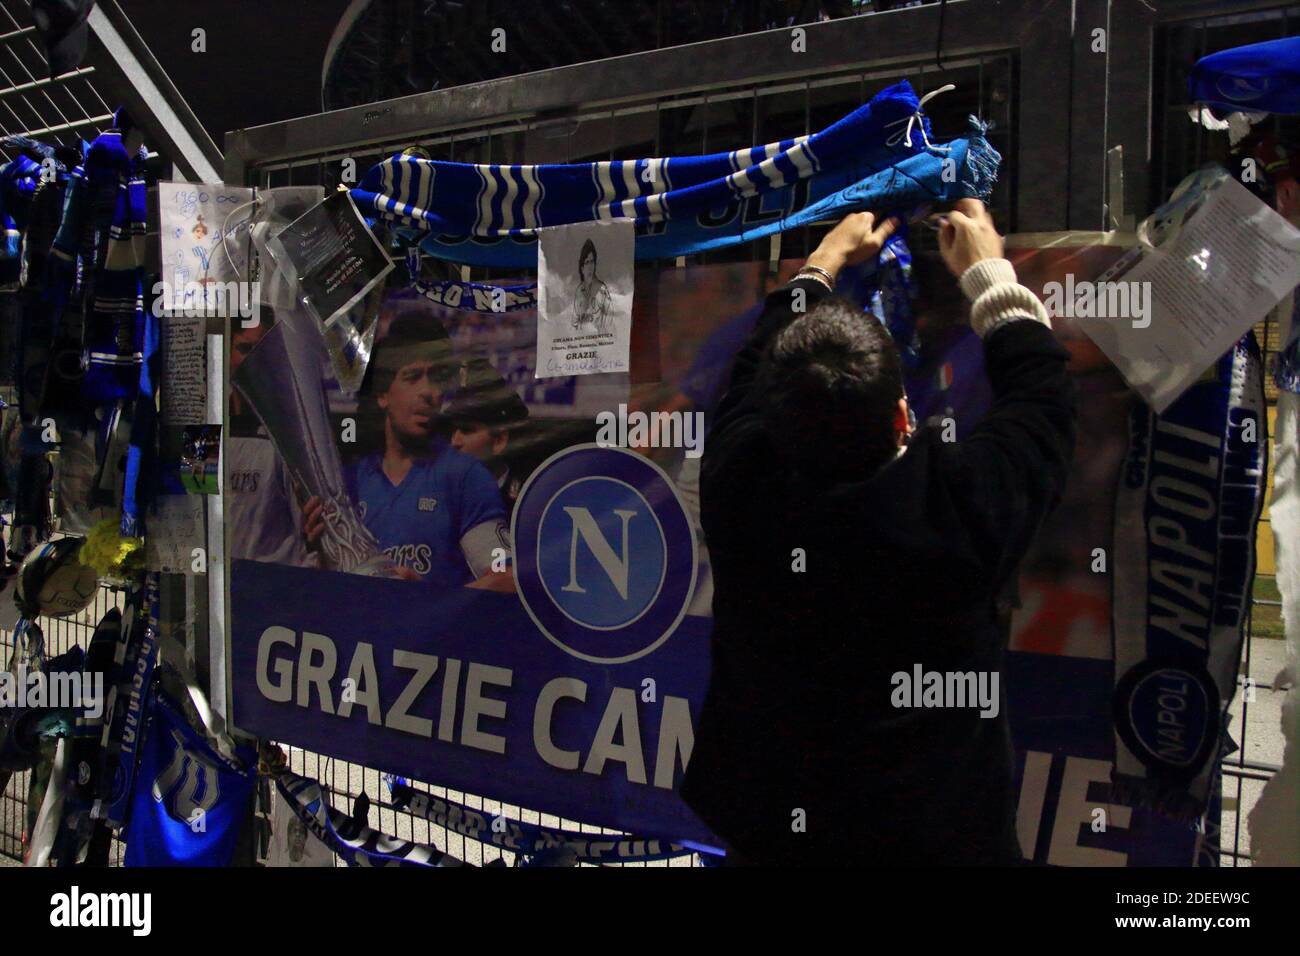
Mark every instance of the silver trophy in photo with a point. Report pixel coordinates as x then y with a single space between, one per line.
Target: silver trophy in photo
281 381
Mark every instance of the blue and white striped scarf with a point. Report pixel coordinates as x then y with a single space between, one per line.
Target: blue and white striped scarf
529 839
97 262
874 158
356 844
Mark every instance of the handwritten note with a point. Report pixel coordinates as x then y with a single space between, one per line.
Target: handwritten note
184 388
185 379
176 528
194 218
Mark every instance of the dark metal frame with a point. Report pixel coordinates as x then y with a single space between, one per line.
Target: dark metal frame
133 76
1073 104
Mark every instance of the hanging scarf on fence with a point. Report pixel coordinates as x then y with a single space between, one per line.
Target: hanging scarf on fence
357 845
528 839
477 296
97 261
141 464
877 157
470 296
129 687
189 800
1186 512
18 181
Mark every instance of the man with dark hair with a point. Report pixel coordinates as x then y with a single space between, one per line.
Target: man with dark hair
434 511
845 371
848 550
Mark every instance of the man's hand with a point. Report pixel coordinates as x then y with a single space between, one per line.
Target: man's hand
313 526
313 522
968 236
503 582
856 238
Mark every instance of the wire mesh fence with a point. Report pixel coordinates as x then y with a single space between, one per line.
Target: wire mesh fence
19 794
1255 723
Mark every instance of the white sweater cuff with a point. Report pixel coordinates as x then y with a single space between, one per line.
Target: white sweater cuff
997 298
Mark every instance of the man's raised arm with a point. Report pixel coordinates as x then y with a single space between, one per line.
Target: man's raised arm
1011 470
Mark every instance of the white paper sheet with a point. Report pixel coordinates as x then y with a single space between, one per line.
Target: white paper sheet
191 219
1217 259
176 528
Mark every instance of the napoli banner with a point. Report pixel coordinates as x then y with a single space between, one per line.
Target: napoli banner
580 693
474 578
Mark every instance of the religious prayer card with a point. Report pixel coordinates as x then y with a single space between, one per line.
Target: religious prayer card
1214 261
584 298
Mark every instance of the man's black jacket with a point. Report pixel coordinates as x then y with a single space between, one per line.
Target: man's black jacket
902 569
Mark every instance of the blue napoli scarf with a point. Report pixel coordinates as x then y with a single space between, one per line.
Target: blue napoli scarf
356 844
129 688
1186 512
529 839
877 157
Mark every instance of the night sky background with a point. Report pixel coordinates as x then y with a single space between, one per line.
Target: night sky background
263 59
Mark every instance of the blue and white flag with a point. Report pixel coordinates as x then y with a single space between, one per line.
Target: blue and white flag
878 157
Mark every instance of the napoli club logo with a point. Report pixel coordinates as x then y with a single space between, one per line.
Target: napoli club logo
604 553
1241 89
1167 713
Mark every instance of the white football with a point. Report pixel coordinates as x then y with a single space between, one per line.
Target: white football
54 580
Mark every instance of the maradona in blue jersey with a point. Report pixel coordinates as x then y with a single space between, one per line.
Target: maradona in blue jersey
441 521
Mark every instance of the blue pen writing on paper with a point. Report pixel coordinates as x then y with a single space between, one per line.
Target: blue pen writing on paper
187 202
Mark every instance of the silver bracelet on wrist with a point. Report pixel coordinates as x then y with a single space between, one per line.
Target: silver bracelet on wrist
818 273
